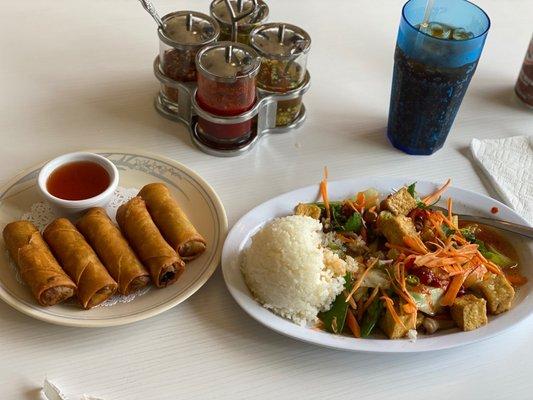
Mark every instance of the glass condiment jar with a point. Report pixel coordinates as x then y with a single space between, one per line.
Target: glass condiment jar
283 49
226 88
524 84
186 32
258 15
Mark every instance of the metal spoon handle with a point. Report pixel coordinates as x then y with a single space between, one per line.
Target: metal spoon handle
148 6
523 230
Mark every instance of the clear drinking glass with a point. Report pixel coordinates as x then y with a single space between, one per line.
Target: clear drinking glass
434 61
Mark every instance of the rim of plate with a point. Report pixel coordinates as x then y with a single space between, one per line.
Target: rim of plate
240 233
222 219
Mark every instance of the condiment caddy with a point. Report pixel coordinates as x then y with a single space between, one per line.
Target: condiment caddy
230 93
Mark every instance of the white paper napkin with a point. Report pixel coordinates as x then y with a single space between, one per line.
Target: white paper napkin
508 163
52 392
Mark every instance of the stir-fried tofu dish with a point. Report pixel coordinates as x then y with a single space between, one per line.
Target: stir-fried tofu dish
409 267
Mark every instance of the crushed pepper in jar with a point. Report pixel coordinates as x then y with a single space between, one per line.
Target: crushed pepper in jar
283 49
186 32
288 111
220 12
226 87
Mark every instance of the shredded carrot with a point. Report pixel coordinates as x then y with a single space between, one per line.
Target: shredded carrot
453 289
489 264
361 278
415 243
360 202
352 324
324 192
450 205
352 303
367 303
432 198
389 304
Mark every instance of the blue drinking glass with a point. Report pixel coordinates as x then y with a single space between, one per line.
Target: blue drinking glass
433 66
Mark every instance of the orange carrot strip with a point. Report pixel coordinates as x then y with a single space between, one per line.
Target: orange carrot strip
416 244
324 192
352 324
367 303
435 196
453 289
361 278
360 201
450 205
389 304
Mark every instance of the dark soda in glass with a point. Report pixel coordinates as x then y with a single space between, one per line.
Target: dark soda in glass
433 65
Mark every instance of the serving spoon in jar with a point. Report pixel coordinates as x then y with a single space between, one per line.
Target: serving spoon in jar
148 6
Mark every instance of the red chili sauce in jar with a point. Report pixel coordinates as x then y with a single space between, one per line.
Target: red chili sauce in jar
78 180
226 87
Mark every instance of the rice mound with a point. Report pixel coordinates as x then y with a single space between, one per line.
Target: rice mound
289 271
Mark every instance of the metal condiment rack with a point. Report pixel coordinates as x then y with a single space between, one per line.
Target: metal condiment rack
265 108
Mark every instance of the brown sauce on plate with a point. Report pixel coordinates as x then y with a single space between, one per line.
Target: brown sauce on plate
78 180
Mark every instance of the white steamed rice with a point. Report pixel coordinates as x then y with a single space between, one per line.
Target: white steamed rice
290 272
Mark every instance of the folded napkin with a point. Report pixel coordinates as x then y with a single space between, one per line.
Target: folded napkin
508 163
52 392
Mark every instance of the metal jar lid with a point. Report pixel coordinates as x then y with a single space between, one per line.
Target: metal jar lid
220 12
280 41
227 61
188 29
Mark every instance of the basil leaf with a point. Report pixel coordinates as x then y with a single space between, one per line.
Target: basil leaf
354 223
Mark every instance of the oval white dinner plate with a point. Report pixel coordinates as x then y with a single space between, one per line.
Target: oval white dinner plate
196 197
464 201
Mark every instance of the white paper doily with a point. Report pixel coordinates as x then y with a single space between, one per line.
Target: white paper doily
41 214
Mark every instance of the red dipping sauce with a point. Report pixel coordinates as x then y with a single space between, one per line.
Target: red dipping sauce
78 180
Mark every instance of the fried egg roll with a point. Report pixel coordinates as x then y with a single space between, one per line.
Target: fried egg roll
172 221
38 268
80 262
163 263
113 250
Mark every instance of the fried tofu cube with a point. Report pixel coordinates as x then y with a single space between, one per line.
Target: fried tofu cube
394 228
310 210
392 328
469 312
498 292
400 203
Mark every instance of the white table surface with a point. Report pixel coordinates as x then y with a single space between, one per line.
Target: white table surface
78 74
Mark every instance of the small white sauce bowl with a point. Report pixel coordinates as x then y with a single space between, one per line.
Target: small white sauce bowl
72 207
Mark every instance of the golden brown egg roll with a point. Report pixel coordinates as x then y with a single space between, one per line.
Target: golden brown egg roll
172 221
80 262
38 268
113 250
163 263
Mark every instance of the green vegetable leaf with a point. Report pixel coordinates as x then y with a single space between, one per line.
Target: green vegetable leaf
371 317
447 230
468 234
354 223
335 317
501 260
411 189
